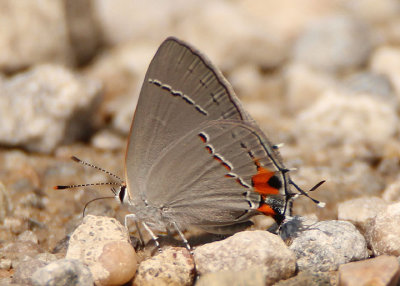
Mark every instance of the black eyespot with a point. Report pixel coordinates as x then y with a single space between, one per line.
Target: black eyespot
275 182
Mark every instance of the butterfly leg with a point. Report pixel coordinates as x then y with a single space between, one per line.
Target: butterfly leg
153 236
134 218
187 245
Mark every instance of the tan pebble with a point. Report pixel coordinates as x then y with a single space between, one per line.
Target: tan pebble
120 260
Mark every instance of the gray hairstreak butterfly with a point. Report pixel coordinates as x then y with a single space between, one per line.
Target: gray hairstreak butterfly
195 157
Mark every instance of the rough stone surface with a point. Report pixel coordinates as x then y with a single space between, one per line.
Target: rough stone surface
306 278
29 38
44 107
360 211
253 276
103 244
63 272
244 250
345 119
382 270
173 266
324 245
25 269
384 232
5 203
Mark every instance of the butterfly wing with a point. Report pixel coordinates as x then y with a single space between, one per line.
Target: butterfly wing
181 90
218 175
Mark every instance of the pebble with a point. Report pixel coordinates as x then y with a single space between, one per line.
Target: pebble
383 233
360 211
20 251
173 266
381 270
253 276
245 250
307 278
338 118
333 44
103 244
53 106
63 272
386 61
25 269
28 37
324 245
5 203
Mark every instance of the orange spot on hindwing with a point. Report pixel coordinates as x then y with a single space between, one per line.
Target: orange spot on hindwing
267 210
265 182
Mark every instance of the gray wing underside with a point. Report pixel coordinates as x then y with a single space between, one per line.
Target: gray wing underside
194 186
181 90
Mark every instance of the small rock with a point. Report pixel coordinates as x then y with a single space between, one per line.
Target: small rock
63 272
31 33
103 244
20 251
392 191
5 263
5 203
108 140
324 245
371 83
253 276
46 257
306 278
244 250
333 44
386 60
25 269
173 266
360 211
384 232
46 106
382 270
336 118
28 235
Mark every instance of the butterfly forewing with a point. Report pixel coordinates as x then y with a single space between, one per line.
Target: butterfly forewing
181 90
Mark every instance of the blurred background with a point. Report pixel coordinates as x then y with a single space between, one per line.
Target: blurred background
322 77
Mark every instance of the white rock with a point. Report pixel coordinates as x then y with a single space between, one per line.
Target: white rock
244 250
46 106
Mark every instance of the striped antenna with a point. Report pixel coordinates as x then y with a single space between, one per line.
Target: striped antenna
76 159
62 187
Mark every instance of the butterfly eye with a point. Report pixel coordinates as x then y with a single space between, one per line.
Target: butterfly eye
122 193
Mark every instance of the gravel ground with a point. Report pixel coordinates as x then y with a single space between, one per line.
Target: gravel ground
322 77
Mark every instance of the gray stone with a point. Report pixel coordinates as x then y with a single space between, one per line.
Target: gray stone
25 269
245 250
333 44
383 233
46 106
63 272
323 246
